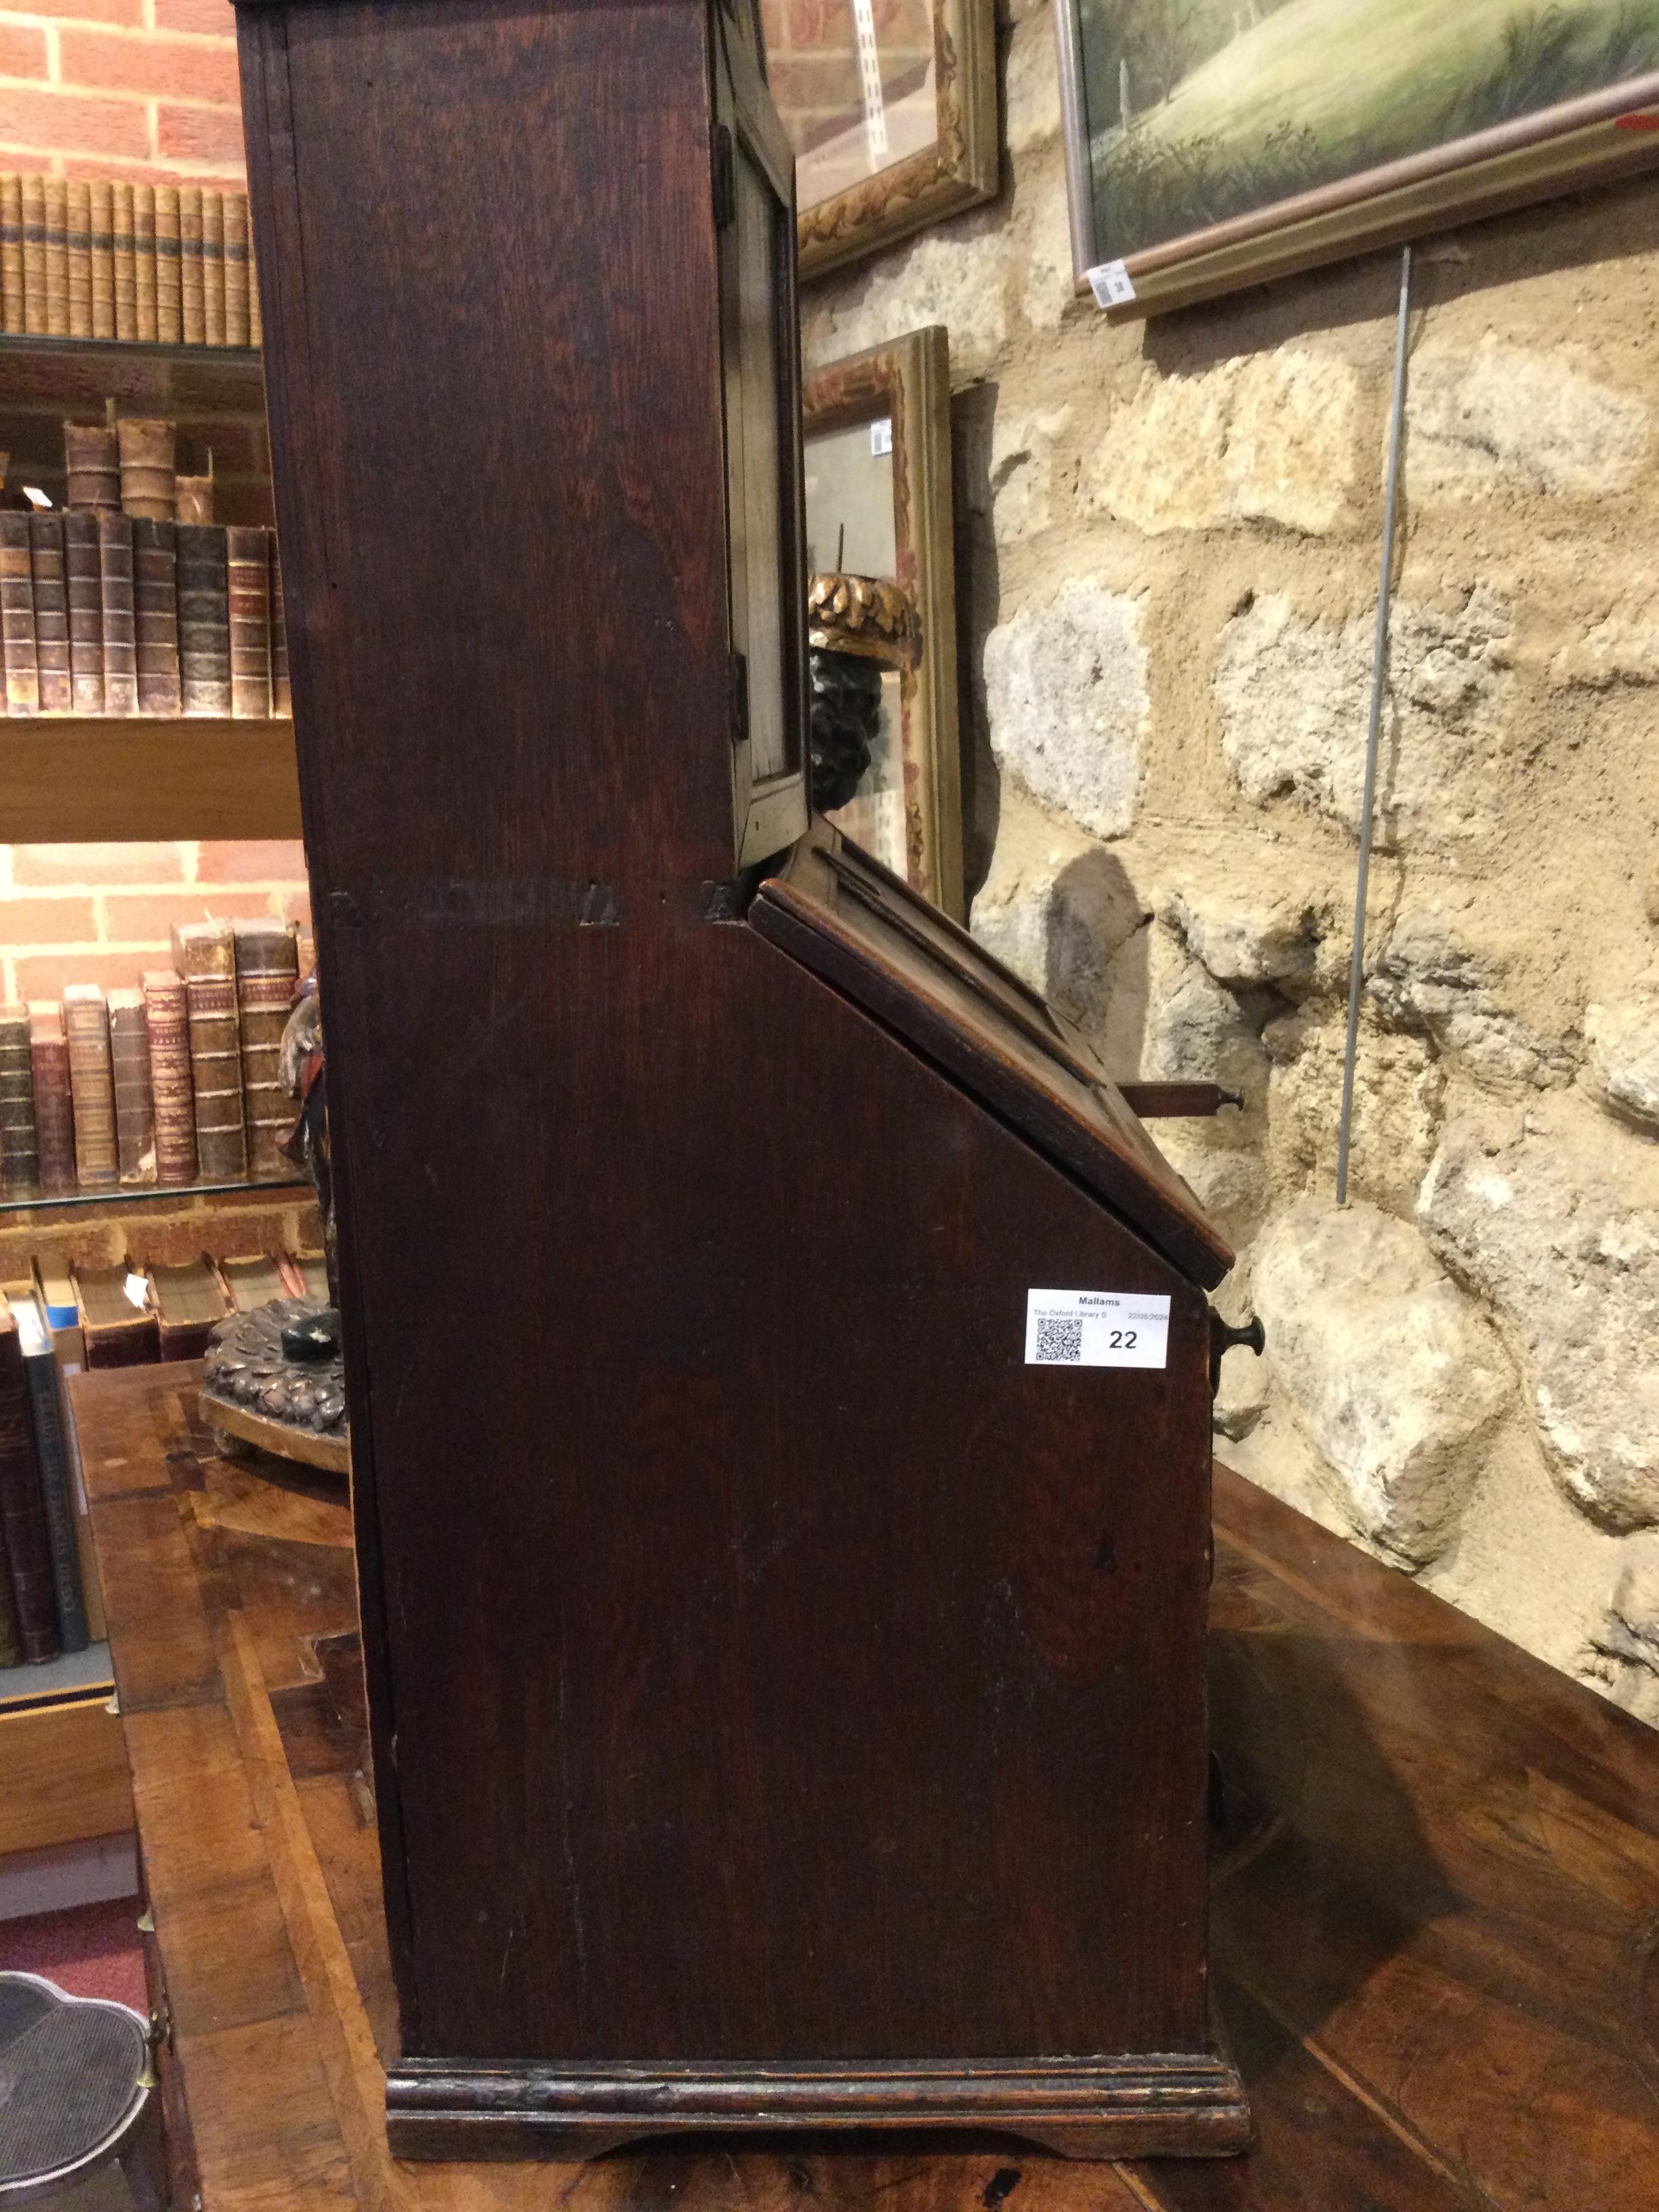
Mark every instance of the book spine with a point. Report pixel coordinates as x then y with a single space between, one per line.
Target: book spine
213 268
91 464
204 619
18 614
11 253
249 566
125 264
192 302
117 613
77 241
206 957
135 1114
20 1146
102 213
22 1510
91 1588
169 297
57 305
86 624
256 336
171 1083
33 195
51 652
267 975
51 1461
54 1115
149 465
92 1087
281 691
143 260
236 268
155 610
193 499
11 1645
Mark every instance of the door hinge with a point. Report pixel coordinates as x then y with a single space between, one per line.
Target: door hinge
739 700
726 178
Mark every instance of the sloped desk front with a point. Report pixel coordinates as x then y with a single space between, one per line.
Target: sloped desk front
1437 1892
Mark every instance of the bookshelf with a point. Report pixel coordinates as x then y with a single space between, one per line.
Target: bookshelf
69 779
65 780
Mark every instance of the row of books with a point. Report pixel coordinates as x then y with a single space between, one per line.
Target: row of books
52 1325
103 613
175 1084
93 258
130 462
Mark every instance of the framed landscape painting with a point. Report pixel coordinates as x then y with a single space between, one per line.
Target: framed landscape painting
890 106
1212 144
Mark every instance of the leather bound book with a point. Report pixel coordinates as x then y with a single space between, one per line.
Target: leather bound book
203 618
190 1303
256 336
125 265
143 259
57 243
172 1090
102 217
191 316
52 649
255 1280
53 1467
11 1647
92 1087
78 243
118 1326
20 1151
12 256
91 464
204 954
54 1112
282 696
267 976
148 464
213 268
22 1509
236 268
249 564
169 299
33 190
18 614
155 615
84 582
118 616
134 1113
193 499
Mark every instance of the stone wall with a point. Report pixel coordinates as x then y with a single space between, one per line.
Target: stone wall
1168 541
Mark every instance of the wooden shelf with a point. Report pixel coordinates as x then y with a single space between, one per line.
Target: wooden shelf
65 780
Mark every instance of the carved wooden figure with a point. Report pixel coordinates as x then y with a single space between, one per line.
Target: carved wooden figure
787 1701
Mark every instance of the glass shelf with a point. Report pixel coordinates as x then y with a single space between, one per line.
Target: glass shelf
149 1195
131 348
71 1675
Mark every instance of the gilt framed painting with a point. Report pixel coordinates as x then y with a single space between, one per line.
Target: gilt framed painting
1214 143
891 109
879 507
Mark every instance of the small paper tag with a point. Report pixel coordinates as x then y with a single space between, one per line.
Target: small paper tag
881 436
1111 284
1097 1328
137 1290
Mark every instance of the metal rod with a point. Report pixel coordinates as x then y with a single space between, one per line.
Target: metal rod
1374 732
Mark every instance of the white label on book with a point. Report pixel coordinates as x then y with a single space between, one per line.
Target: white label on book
1111 284
137 1290
881 437
1097 1328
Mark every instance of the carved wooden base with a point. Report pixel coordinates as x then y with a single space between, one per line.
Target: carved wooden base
1156 2106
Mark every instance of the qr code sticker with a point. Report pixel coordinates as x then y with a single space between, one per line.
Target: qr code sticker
1059 1340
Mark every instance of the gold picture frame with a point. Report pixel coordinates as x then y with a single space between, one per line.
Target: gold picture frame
889 512
1270 144
892 129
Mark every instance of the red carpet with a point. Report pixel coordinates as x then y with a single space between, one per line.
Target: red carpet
91 1951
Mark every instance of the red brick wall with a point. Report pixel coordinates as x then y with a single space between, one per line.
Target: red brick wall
145 89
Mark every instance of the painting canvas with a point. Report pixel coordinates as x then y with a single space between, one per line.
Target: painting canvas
1213 143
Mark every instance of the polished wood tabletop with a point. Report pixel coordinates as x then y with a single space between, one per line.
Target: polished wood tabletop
1436 1886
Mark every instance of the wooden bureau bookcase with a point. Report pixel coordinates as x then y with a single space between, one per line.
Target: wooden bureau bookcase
788 1702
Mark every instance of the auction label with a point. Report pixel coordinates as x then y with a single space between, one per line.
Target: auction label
1097 1328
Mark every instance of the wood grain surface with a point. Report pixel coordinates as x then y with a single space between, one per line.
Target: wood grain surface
1436 1892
